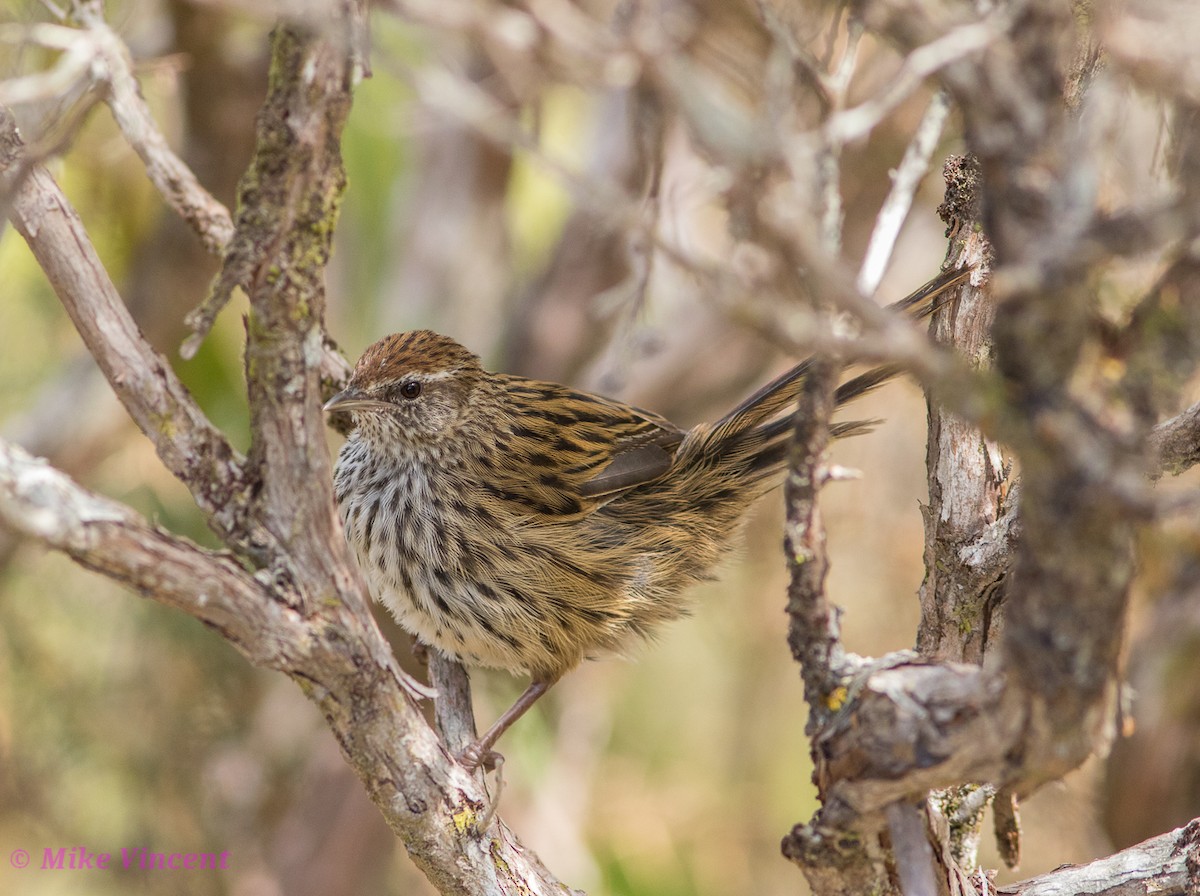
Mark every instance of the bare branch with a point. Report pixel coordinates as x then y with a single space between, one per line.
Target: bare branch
1167 865
829 146
968 538
960 716
956 44
338 657
905 180
289 200
914 855
65 76
453 710
105 536
191 447
174 180
1176 442
97 55
812 622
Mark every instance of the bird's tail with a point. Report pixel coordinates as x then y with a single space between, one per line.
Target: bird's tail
755 434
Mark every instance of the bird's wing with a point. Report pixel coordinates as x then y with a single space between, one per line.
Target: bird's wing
567 452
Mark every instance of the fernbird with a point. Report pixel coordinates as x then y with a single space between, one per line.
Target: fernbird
526 525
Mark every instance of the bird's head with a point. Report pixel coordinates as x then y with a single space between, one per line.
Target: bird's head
416 387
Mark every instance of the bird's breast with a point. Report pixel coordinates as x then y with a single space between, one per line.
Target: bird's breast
437 560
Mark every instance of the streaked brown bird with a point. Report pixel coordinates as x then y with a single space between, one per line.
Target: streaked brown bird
526 525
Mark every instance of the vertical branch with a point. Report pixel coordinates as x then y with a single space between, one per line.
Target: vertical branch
910 846
288 202
452 709
967 537
813 634
1070 586
812 621
829 169
834 865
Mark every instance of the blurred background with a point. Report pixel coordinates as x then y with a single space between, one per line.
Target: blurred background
124 724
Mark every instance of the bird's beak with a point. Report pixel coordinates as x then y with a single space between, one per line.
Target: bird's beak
350 399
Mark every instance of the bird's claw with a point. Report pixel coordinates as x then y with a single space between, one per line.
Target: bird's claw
415 689
475 756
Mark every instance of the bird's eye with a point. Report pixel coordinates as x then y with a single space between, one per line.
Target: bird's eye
410 390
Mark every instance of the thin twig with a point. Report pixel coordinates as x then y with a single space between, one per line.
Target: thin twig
97 55
907 177
854 124
829 171
173 179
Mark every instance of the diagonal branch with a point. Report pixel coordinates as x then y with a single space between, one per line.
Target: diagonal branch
174 180
905 181
193 449
95 56
1176 442
1166 865
106 536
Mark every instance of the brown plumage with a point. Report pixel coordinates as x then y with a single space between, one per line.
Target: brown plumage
525 525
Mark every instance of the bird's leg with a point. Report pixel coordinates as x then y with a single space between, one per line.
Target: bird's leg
480 752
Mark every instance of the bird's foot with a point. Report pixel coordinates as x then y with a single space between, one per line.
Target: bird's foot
479 755
415 689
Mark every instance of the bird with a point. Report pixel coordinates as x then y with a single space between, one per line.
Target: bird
525 525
